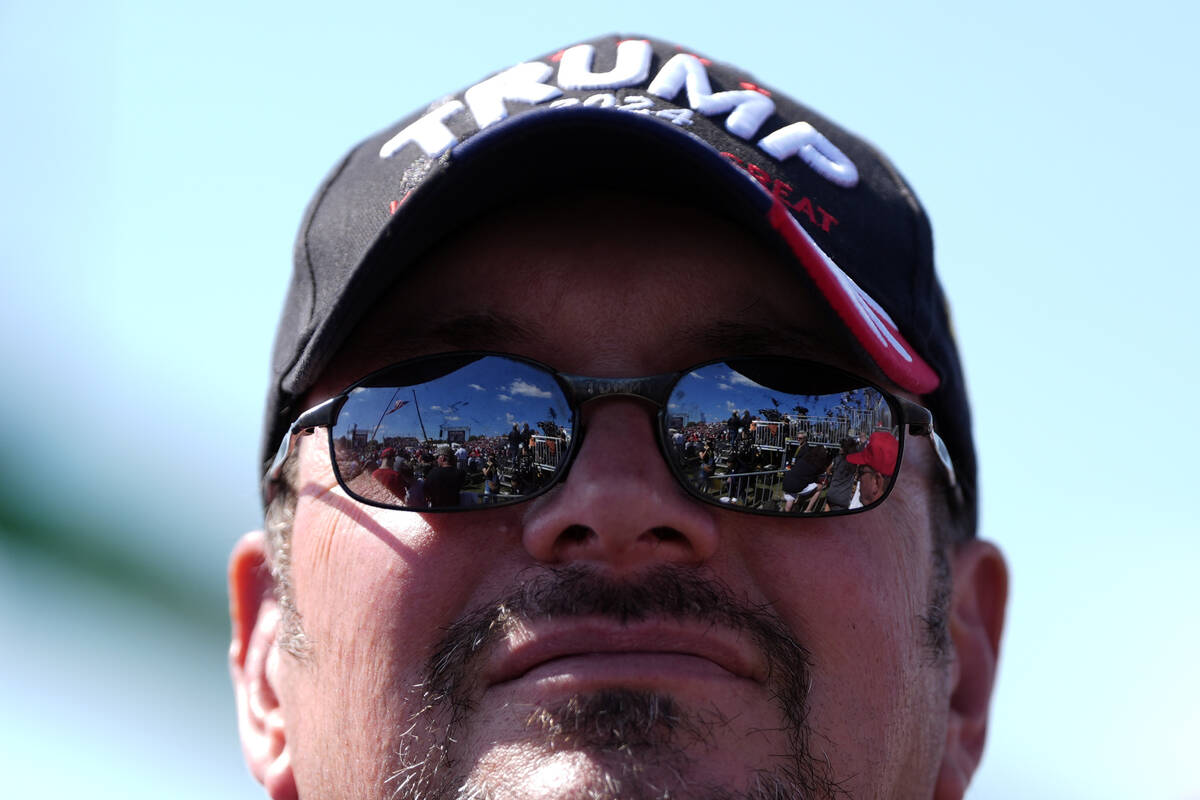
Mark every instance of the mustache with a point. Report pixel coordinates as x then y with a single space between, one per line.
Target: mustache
662 592
635 724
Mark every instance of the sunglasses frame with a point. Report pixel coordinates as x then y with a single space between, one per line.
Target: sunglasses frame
580 389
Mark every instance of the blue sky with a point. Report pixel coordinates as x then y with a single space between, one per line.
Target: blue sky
158 158
491 394
488 395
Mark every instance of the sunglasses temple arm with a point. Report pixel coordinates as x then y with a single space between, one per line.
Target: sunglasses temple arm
943 453
920 423
319 416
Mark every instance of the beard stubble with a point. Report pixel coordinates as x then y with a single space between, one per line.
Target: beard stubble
637 741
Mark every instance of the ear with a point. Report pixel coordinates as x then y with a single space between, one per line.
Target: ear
254 664
976 622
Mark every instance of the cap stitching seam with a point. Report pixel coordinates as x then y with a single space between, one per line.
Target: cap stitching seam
910 199
303 345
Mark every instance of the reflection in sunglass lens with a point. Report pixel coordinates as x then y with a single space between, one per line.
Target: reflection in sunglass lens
776 435
452 432
766 435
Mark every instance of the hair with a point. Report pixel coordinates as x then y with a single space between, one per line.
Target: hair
952 523
279 518
818 456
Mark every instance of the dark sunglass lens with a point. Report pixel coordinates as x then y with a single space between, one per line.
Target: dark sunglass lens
776 435
452 432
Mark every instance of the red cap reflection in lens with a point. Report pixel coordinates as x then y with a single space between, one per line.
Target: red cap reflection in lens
880 454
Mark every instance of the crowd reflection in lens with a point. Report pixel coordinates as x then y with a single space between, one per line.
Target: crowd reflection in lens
440 441
437 474
790 465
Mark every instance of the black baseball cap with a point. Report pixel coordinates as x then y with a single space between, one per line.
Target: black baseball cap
640 115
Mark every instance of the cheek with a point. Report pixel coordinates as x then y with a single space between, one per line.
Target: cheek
852 595
349 586
376 589
853 591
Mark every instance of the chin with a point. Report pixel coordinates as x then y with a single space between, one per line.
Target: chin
621 744
531 773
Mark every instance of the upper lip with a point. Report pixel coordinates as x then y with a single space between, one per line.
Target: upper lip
532 644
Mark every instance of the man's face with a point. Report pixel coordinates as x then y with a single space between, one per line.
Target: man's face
871 485
613 638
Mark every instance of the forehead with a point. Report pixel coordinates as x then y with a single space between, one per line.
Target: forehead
599 283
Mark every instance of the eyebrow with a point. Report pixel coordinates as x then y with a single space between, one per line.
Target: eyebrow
472 331
735 337
469 330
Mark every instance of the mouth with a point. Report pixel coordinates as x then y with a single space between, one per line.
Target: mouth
590 654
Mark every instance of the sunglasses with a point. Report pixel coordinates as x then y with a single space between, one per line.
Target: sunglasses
729 430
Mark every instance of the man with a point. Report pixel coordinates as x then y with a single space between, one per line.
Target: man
842 476
800 478
801 445
387 475
876 465
514 445
491 480
610 631
443 482
705 466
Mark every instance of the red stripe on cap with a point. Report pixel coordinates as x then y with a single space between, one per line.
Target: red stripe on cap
866 319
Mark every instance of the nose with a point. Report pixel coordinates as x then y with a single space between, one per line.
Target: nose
620 505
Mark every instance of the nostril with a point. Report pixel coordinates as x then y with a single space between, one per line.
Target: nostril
666 534
575 534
